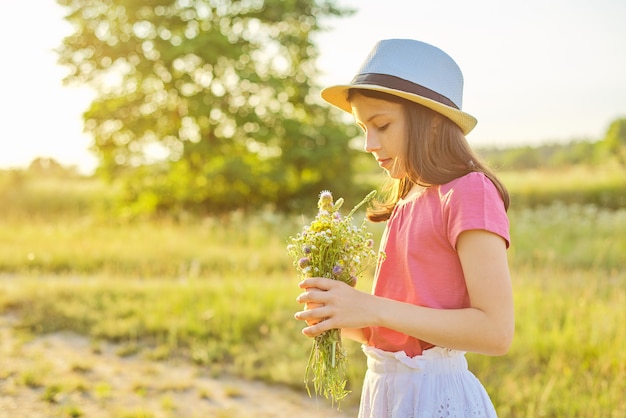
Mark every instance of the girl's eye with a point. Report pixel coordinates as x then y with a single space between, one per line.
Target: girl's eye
384 127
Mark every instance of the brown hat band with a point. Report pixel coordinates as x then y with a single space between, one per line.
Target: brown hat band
397 83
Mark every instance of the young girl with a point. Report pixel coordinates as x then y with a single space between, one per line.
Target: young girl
443 287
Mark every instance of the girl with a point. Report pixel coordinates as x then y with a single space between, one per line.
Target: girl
443 288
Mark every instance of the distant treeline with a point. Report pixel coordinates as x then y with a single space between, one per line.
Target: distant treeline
553 155
611 148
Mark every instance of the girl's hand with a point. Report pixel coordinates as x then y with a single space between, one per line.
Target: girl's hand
331 304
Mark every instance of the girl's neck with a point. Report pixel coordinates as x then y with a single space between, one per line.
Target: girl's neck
413 194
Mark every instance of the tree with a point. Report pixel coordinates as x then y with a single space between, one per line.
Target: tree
614 142
207 105
49 167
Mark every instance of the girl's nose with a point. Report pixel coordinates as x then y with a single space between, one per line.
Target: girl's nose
371 142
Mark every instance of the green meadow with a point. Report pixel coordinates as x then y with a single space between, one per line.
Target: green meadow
221 290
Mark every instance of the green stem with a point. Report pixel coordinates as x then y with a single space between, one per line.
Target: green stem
362 202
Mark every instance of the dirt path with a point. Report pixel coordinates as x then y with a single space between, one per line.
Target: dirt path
66 375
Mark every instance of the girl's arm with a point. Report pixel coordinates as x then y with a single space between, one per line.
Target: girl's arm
356 334
487 326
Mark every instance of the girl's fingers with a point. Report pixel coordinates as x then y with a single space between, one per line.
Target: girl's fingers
316 329
312 323
312 305
318 282
309 316
311 295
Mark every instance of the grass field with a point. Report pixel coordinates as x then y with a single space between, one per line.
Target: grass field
222 292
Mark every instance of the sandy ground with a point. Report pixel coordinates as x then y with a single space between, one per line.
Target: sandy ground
67 375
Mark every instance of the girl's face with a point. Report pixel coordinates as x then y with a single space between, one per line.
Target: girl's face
385 127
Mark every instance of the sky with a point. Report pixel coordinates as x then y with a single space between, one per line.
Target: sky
535 71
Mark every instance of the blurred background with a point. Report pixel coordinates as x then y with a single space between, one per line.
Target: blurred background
171 147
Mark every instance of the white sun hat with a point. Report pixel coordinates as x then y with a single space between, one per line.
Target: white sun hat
413 70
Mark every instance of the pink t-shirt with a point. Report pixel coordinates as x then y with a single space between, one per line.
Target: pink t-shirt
422 266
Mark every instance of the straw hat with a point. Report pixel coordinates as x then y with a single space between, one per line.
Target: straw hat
413 70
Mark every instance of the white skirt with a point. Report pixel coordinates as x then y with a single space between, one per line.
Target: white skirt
432 385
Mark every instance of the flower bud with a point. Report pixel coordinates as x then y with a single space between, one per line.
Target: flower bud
337 270
303 262
325 201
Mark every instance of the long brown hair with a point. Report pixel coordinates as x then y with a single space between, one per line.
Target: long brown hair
437 152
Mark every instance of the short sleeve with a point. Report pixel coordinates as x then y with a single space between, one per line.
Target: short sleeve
473 202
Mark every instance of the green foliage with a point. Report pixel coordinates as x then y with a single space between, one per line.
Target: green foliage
549 236
52 194
601 186
541 156
614 142
176 249
207 106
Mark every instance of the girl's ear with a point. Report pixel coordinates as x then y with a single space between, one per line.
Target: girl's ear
436 123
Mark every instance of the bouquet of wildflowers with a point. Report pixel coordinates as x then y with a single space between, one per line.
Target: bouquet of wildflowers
332 247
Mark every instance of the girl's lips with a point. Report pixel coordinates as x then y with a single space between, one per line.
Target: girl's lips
383 161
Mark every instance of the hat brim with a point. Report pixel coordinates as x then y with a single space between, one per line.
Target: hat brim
338 97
